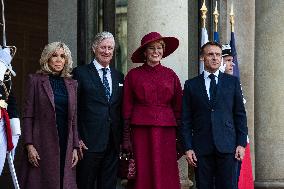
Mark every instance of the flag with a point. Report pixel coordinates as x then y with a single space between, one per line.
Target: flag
245 177
216 37
234 52
204 39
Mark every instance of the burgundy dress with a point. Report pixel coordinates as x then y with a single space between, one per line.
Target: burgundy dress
152 103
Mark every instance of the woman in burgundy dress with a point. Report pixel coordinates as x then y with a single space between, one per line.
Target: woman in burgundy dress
151 109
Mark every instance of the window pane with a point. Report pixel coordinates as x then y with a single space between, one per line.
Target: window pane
121 35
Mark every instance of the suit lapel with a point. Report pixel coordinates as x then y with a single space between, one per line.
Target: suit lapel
203 88
48 90
71 96
95 78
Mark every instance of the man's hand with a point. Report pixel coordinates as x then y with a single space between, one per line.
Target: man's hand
82 147
240 153
191 158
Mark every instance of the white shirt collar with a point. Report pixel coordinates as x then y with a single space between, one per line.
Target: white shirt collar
98 66
206 74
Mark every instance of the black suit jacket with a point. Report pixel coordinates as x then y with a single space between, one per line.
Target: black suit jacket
222 124
98 118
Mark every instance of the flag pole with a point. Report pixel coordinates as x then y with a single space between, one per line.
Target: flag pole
232 20
204 34
203 13
216 15
3 24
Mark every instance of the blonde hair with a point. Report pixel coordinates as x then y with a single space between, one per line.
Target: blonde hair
163 44
47 53
160 41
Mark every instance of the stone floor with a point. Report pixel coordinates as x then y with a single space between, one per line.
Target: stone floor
185 186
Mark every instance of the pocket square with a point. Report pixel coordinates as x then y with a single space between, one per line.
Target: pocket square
120 84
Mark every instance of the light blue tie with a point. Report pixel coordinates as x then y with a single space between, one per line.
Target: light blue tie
105 83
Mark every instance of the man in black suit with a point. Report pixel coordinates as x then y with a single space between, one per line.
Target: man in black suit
99 116
214 123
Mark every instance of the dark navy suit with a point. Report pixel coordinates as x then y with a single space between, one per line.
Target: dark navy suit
100 127
214 129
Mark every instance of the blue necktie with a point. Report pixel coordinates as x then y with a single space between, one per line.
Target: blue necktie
105 83
212 88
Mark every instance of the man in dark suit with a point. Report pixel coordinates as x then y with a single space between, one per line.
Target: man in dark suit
99 116
214 123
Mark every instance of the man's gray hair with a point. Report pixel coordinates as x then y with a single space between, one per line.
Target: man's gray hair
100 37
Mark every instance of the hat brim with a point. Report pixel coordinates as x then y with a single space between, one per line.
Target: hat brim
172 44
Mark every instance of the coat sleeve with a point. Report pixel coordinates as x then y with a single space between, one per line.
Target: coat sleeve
28 114
240 118
186 126
78 91
75 121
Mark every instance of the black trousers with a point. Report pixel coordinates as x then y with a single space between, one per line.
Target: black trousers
216 171
98 170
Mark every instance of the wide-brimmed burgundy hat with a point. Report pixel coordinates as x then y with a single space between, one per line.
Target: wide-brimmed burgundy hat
171 45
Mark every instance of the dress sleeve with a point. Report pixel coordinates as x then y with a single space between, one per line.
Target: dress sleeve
177 99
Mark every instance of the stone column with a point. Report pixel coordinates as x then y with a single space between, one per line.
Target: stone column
62 24
170 18
269 95
245 44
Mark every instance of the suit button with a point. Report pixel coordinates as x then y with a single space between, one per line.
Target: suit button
212 110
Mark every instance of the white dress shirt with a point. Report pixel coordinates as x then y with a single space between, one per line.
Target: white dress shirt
108 74
208 80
